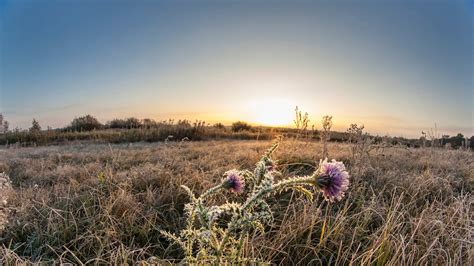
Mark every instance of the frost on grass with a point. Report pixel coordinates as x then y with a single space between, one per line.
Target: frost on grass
217 233
5 186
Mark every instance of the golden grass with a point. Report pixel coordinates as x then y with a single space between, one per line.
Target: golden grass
106 204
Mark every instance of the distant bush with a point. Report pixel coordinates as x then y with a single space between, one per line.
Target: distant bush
456 141
133 122
117 123
240 126
88 128
85 123
148 123
219 126
129 123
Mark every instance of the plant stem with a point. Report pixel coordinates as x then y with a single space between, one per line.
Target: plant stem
304 180
210 191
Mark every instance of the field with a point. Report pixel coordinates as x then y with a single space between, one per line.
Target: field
100 203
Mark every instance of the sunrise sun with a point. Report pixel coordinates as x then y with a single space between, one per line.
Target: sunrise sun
272 112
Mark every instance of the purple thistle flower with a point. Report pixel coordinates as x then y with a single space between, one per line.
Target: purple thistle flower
234 181
333 179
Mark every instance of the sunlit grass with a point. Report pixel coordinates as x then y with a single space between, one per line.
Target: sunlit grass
404 206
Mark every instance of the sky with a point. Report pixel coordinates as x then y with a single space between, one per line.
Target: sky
398 67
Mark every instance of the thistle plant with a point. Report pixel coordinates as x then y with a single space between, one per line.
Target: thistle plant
217 233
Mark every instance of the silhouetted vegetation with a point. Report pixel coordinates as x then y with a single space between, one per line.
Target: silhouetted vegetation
88 128
85 123
240 126
35 127
456 141
219 126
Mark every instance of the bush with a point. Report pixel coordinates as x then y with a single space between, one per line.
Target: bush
219 126
85 123
117 123
240 126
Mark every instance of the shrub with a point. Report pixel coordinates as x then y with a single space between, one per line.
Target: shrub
133 122
148 123
240 126
219 126
117 123
85 123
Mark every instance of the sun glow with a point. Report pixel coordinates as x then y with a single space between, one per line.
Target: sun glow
272 112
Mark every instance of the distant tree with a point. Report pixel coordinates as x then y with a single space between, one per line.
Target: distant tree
85 123
240 126
35 126
454 142
444 140
133 122
457 141
6 126
1 123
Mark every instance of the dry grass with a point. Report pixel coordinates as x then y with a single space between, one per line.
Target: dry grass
106 204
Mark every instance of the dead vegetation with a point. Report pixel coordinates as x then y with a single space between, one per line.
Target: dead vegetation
100 203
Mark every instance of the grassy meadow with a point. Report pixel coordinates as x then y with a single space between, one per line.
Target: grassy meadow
197 132
106 203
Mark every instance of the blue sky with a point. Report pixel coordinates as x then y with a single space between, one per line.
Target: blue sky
396 66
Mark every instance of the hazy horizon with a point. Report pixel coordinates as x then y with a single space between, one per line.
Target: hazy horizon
396 67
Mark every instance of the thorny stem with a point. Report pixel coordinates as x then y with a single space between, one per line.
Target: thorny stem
198 203
241 243
304 180
210 191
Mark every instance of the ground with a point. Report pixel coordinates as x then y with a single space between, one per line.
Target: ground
107 203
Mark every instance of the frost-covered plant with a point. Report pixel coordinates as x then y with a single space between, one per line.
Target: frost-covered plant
361 142
301 122
217 233
326 123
